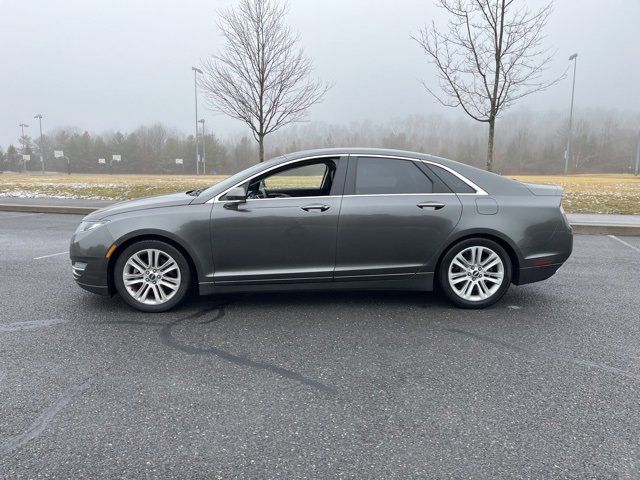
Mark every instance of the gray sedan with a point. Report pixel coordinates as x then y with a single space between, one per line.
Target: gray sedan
329 219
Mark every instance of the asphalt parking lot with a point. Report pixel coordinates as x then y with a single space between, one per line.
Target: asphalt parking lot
546 384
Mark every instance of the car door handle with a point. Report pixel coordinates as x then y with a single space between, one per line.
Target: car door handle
432 205
315 206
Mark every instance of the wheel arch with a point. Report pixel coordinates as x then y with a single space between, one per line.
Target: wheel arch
493 236
122 244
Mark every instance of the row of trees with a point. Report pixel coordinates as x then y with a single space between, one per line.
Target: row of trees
490 54
148 149
604 141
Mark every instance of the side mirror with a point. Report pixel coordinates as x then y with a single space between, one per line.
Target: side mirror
237 194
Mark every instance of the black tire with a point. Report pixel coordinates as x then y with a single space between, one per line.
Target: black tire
450 255
184 273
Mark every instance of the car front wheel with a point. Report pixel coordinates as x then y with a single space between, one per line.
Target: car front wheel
475 273
152 276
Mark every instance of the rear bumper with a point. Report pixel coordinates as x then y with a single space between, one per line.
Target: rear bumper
559 250
536 274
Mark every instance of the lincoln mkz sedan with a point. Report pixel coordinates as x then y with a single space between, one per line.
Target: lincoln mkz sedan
329 219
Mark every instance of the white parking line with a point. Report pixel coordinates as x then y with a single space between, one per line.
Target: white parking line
52 255
625 243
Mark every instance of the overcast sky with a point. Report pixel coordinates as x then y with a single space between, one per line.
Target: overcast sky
116 64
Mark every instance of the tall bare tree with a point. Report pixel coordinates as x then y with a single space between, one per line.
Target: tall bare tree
261 76
489 56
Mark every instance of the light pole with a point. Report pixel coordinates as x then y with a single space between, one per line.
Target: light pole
637 156
196 71
42 154
568 154
22 140
23 126
204 149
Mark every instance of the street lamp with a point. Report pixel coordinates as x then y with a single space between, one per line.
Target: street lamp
22 140
42 154
204 149
196 71
637 156
568 152
23 126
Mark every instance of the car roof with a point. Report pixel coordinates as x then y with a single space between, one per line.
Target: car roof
357 151
488 181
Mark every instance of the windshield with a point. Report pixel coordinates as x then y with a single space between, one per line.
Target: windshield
233 179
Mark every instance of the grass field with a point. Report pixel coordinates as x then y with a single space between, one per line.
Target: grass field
583 193
99 187
595 193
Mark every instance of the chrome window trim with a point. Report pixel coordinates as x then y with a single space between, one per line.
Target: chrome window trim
478 190
399 194
290 198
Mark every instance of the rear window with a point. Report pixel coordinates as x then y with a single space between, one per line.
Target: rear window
389 176
455 183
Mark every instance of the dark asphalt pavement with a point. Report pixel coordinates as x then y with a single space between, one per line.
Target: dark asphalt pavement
546 384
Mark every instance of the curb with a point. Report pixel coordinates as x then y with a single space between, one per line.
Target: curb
578 228
605 229
47 209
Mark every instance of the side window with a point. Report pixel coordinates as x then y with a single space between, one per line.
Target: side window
456 184
305 177
389 176
309 179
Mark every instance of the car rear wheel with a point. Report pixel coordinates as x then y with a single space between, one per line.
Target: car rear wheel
475 273
152 276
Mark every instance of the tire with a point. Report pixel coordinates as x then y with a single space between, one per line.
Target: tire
469 283
158 276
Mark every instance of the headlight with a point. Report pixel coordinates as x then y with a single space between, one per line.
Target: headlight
85 226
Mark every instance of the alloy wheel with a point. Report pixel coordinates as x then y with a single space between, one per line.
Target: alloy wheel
476 273
151 276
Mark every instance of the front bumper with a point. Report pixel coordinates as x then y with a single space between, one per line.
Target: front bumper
91 274
89 266
103 290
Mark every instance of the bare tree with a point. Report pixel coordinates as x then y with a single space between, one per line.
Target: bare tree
489 56
261 76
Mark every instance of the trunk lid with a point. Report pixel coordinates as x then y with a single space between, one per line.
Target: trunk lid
544 190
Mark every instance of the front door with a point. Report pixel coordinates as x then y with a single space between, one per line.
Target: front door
286 229
394 217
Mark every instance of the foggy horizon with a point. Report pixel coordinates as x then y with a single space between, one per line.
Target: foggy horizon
116 67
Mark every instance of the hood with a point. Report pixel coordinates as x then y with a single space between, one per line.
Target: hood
174 199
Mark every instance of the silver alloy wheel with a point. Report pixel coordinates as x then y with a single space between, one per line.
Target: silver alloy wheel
151 276
476 273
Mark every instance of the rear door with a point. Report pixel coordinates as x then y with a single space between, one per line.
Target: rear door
395 215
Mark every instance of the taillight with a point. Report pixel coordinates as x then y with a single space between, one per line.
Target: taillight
541 262
564 216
